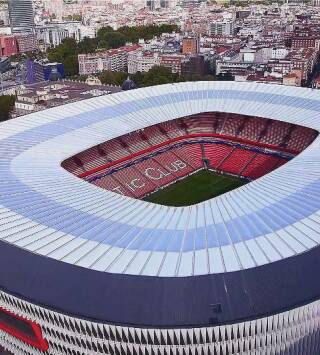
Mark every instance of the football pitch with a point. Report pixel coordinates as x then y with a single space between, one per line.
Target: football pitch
201 186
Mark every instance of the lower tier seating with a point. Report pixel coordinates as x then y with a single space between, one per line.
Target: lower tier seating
237 161
190 153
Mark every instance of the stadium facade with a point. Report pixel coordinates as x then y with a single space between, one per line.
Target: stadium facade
90 271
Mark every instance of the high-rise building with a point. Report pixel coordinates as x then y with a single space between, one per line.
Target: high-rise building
190 3
21 16
190 45
26 42
222 28
164 3
4 15
152 4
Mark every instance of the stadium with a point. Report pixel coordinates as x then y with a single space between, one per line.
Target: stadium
181 219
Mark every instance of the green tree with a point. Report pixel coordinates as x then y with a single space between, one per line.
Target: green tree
87 45
6 106
107 77
71 65
138 78
159 75
225 77
66 53
112 78
120 77
111 40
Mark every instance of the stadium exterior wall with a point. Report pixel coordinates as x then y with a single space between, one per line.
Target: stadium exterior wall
294 332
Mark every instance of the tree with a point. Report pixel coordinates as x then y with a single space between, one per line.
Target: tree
225 77
66 53
107 77
71 65
159 75
138 78
112 78
111 40
87 45
7 105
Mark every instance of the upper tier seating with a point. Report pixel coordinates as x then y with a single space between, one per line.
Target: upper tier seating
172 129
71 166
231 125
202 123
114 150
276 132
300 138
252 128
135 142
154 135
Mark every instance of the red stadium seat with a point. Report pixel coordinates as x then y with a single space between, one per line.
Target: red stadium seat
215 153
237 161
190 153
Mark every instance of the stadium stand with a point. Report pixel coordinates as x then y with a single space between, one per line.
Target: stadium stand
88 271
202 123
276 132
261 165
158 174
215 153
171 129
191 154
135 142
236 161
109 183
300 138
231 125
229 143
252 128
114 149
154 135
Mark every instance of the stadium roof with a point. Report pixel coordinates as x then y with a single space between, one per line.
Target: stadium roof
96 244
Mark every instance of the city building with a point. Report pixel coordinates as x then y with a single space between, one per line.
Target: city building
172 62
222 28
5 65
193 65
190 3
26 42
113 59
44 95
51 35
304 60
21 16
153 4
8 46
304 38
142 61
190 45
